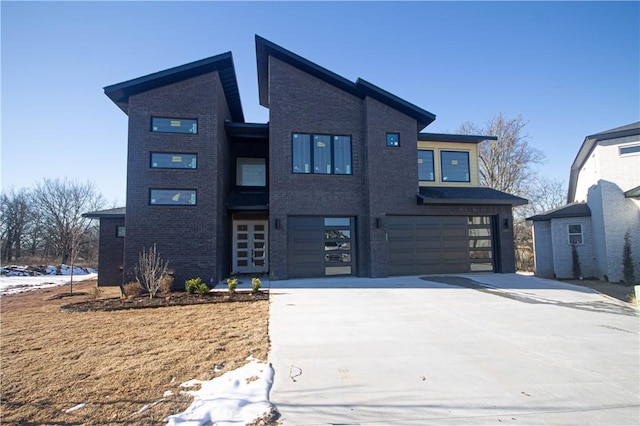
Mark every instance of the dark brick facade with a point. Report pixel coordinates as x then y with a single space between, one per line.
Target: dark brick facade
302 98
110 252
194 239
384 180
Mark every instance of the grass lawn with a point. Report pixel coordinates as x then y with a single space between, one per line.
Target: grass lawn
115 362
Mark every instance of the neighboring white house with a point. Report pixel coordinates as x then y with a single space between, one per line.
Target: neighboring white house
603 205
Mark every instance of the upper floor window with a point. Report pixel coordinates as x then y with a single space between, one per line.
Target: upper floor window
172 197
575 233
120 231
631 149
425 165
393 139
174 125
251 171
171 160
455 166
321 154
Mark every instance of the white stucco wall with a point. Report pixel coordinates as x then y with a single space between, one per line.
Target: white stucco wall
606 163
543 249
613 215
562 253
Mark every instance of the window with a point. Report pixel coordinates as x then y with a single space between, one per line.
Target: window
338 250
174 125
173 160
393 139
480 243
251 171
425 165
575 234
321 154
631 149
120 232
172 197
455 166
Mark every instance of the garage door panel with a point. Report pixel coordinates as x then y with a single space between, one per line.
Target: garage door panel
428 245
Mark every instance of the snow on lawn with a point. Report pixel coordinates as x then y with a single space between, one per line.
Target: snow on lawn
237 397
18 279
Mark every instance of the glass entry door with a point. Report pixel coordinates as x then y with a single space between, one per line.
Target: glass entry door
250 246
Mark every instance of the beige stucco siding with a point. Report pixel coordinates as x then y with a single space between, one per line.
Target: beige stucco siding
437 148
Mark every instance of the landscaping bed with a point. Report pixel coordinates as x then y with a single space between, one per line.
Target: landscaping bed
171 299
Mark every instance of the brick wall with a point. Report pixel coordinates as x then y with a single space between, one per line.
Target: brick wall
384 179
544 249
110 253
189 237
305 104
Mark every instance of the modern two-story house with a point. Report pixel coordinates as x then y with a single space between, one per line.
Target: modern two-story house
603 204
340 181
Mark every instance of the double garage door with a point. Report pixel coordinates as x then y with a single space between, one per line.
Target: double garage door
440 244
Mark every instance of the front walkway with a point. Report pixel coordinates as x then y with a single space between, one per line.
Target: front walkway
490 349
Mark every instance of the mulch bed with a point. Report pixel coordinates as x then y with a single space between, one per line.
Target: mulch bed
173 299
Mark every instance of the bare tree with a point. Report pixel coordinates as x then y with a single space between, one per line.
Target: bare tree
14 220
506 164
150 270
544 194
60 205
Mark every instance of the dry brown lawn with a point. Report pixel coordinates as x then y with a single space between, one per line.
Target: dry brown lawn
115 362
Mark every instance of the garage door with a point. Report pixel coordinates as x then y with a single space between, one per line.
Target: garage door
439 244
321 246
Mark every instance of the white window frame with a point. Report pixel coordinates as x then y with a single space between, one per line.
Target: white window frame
570 234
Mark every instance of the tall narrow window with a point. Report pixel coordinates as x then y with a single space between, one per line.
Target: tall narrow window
322 154
342 155
425 165
455 166
301 153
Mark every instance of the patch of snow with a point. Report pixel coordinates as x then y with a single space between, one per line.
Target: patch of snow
18 279
237 397
75 407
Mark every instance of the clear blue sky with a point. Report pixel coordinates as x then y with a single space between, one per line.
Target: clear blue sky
570 69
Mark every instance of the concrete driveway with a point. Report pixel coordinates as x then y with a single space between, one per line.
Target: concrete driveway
466 349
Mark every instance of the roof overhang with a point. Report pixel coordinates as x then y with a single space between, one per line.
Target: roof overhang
467 195
633 193
117 213
258 131
119 93
588 146
361 88
254 201
446 137
570 210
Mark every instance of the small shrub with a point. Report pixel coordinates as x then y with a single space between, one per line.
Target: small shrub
192 285
627 261
166 281
94 293
575 263
232 283
256 283
203 289
133 289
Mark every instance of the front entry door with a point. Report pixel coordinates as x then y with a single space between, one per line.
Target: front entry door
250 247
